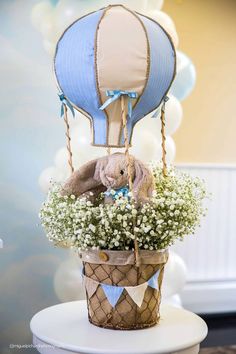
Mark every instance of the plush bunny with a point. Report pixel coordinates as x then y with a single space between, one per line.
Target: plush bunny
110 173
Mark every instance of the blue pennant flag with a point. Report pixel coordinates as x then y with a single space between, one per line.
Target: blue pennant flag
112 293
153 281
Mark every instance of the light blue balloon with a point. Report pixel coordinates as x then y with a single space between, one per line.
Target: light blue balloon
76 72
185 79
54 2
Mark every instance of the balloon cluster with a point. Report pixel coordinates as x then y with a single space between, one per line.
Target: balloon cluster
51 19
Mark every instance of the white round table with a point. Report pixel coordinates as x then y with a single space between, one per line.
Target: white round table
65 329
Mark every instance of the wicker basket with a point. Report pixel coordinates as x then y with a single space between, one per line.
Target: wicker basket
118 268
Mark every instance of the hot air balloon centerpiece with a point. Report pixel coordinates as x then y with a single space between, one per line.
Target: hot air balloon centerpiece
116 66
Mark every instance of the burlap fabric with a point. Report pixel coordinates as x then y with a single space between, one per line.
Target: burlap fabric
118 268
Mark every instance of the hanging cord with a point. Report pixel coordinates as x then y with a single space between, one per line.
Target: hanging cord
108 150
65 244
163 137
68 138
64 104
129 172
126 138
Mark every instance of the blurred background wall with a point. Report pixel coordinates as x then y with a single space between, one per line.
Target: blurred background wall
33 274
207 32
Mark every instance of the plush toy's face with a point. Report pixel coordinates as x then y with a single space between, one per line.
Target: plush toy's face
114 175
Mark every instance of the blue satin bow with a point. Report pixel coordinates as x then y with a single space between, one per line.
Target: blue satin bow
115 94
124 191
165 99
65 101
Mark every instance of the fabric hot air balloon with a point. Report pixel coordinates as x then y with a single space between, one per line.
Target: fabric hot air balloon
113 53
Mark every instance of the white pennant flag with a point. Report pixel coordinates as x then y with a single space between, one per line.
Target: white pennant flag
137 293
90 285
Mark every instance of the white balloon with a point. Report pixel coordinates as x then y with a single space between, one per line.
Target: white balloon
152 125
162 18
167 23
81 137
185 79
136 5
39 11
48 28
49 47
173 300
68 280
46 178
154 4
144 145
61 158
174 275
173 115
62 174
81 129
53 174
66 12
182 61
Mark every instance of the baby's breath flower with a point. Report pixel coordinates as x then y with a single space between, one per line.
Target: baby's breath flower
174 211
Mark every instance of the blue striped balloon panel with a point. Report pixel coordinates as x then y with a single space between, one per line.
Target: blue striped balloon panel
75 70
162 71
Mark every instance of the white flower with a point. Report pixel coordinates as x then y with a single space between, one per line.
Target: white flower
147 228
92 227
119 217
174 212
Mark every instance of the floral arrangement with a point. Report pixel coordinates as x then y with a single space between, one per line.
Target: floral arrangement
173 212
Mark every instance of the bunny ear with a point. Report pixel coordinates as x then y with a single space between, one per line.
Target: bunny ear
143 182
86 179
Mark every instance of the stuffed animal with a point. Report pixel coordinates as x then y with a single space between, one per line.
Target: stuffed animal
110 173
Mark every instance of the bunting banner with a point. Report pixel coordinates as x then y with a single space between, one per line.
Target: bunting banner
137 293
114 292
90 285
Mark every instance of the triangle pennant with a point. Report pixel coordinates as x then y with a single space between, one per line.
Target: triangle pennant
90 285
137 293
112 293
153 281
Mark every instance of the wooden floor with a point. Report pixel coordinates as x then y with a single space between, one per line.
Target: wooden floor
219 350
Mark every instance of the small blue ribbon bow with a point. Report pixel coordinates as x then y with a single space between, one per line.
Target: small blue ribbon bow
115 94
123 191
165 99
65 101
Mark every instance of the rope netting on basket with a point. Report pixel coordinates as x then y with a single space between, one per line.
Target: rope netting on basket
126 314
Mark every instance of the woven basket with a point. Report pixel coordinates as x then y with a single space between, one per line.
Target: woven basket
118 268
